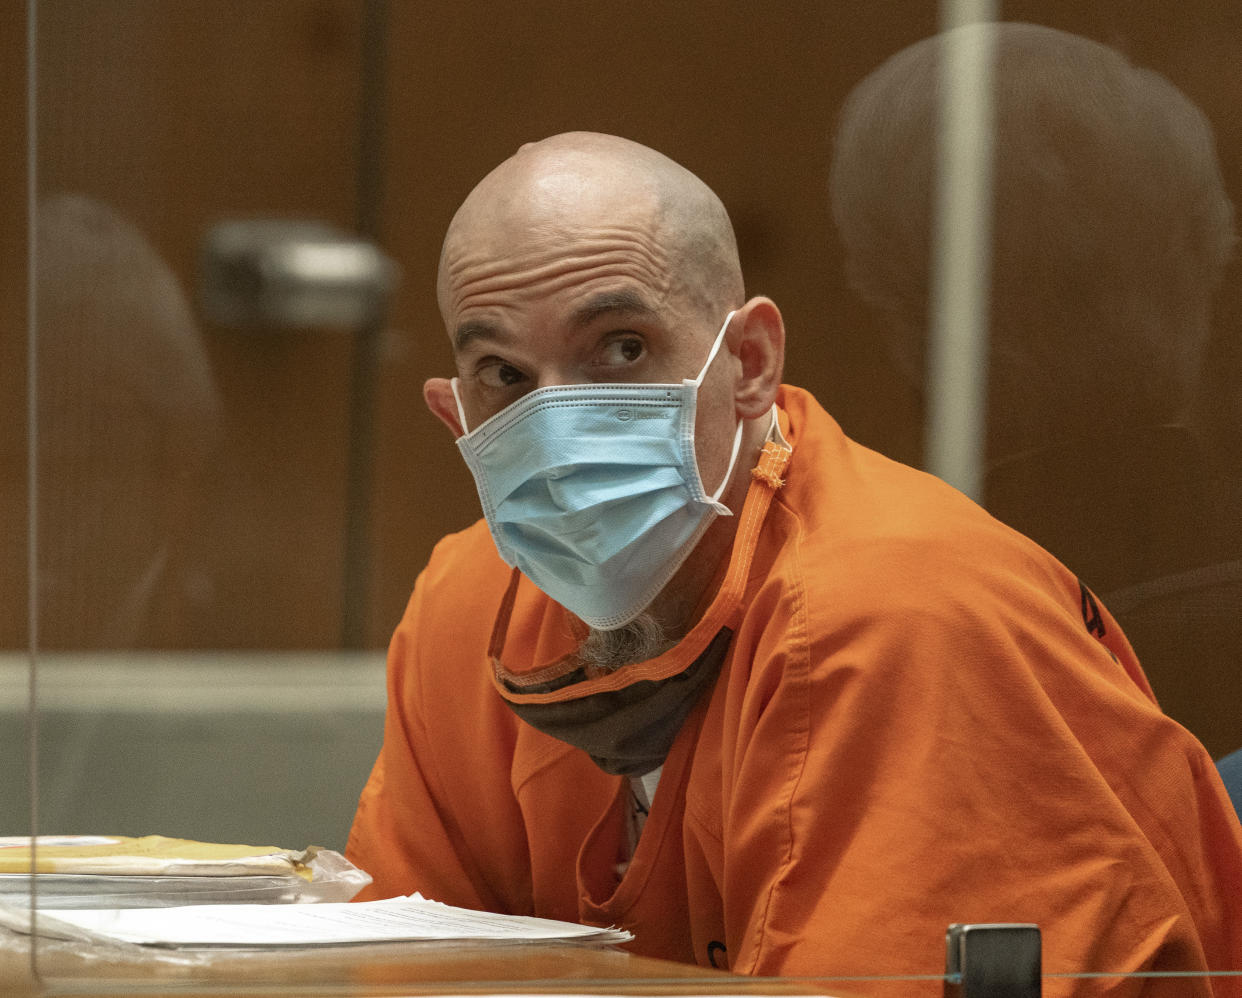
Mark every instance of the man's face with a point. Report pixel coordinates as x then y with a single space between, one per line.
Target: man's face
544 300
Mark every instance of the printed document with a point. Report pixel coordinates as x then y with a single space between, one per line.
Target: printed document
329 924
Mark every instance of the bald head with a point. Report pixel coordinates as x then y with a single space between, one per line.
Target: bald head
583 185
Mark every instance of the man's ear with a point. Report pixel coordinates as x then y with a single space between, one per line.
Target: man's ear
757 339
438 394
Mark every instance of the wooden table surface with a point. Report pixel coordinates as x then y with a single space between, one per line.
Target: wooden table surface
358 971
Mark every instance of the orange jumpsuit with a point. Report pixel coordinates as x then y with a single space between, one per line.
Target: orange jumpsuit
922 718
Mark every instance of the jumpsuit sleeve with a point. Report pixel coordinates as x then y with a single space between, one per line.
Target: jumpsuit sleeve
437 814
400 834
911 763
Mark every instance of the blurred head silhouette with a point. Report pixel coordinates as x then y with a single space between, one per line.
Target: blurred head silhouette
127 414
1111 230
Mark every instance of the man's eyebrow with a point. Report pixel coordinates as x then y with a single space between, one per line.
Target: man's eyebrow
623 302
476 329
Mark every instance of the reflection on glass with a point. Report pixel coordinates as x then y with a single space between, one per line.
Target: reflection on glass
1099 372
1111 231
128 416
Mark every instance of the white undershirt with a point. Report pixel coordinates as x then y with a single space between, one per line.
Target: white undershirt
642 793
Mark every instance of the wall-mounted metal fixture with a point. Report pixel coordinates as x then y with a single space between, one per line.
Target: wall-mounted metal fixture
292 274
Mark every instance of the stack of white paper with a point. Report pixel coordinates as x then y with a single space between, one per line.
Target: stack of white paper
265 925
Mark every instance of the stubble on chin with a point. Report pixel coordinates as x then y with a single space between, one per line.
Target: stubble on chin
642 639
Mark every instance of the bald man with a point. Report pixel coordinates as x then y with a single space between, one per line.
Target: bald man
712 672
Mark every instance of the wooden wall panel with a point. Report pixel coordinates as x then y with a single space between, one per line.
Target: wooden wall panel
13 401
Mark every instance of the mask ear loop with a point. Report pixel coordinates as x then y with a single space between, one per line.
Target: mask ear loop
737 436
737 446
715 347
461 413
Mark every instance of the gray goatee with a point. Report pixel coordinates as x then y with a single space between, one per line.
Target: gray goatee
641 639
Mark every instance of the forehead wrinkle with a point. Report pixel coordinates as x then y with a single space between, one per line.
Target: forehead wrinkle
475 278
552 246
497 293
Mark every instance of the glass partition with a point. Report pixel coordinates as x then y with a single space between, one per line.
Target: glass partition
219 297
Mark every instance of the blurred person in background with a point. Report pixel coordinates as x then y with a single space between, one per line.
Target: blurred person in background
127 418
1110 233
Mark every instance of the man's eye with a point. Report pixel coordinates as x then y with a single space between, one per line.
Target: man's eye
499 375
623 350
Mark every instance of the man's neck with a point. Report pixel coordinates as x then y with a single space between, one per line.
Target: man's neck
686 598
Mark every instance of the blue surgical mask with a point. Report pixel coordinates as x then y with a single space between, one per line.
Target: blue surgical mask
593 491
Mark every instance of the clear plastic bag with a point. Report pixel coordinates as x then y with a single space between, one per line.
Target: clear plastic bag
333 878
